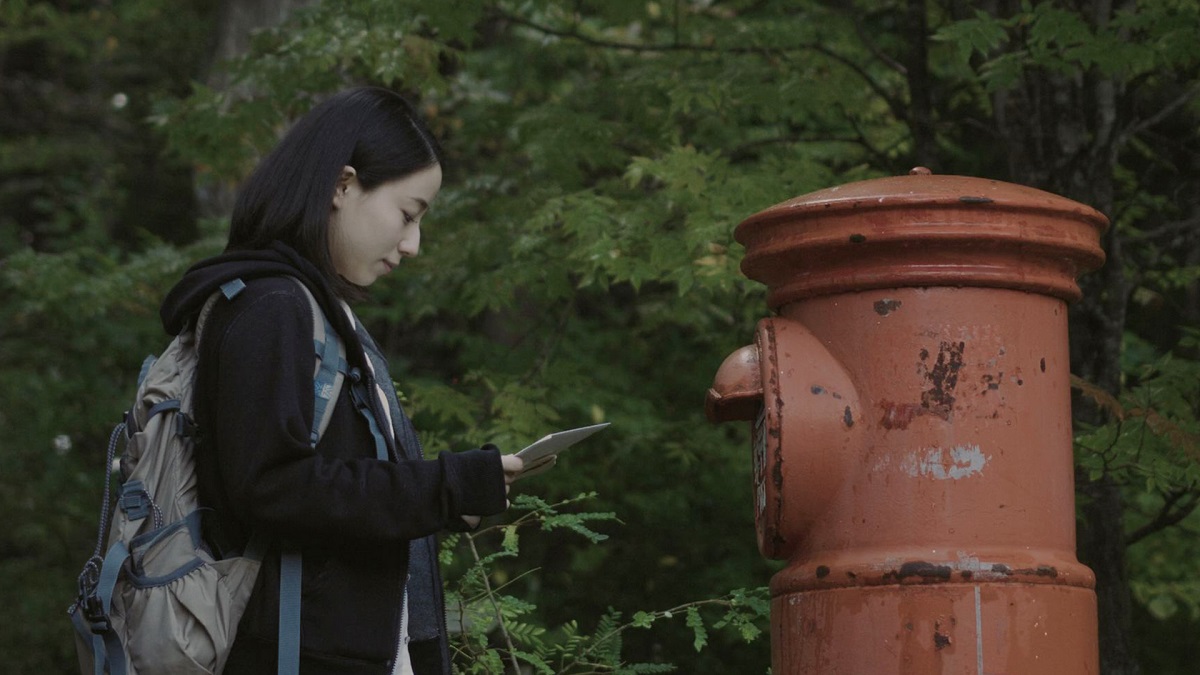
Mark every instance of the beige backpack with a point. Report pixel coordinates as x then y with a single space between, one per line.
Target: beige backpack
157 601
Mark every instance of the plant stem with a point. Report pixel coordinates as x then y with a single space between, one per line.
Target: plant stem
487 585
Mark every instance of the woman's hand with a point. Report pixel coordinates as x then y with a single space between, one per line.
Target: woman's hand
512 466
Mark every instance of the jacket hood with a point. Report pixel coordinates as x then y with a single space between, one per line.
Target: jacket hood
187 298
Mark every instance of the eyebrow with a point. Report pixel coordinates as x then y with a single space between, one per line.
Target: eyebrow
424 204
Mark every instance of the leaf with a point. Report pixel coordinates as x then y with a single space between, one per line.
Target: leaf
1101 397
642 619
1163 607
535 661
511 540
696 623
982 34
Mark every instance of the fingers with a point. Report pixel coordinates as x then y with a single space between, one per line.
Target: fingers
512 465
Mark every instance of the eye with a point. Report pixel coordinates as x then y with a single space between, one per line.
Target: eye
407 218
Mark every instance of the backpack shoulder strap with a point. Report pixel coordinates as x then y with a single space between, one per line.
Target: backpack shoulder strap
328 377
331 367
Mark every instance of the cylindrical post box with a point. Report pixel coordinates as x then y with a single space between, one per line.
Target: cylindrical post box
911 427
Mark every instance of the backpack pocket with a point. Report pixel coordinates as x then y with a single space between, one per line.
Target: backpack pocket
178 608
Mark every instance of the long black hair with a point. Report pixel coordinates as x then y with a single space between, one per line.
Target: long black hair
289 195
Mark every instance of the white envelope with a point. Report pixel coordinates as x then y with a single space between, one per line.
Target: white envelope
543 453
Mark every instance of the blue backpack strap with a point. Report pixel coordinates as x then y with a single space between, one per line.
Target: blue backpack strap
358 391
331 372
106 644
331 367
328 377
231 288
327 380
290 570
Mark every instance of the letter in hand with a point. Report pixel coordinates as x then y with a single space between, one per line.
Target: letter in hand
543 454
534 468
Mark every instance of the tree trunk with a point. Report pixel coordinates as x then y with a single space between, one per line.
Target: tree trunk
1096 327
920 108
236 23
1058 133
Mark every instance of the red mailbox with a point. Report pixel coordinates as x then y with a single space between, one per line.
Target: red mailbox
911 427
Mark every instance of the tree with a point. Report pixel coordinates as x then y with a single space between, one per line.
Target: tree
80 180
1080 99
579 264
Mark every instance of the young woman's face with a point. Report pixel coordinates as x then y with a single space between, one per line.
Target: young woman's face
370 232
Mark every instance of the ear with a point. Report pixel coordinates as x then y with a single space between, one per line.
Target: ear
346 179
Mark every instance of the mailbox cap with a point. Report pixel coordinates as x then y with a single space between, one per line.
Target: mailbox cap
921 230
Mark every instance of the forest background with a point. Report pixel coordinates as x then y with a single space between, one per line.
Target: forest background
579 266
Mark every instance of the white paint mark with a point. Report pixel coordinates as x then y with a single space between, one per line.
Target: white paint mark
960 461
980 569
978 633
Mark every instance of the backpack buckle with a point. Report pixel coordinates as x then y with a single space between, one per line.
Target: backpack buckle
134 500
93 611
185 427
89 603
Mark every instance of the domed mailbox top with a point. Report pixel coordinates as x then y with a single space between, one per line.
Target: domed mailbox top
921 230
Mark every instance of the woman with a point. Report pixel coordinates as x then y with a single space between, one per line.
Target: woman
337 204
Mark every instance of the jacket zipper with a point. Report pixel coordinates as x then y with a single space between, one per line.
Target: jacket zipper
402 629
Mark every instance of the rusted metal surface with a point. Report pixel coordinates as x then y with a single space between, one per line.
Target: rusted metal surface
921 230
736 393
960 629
910 409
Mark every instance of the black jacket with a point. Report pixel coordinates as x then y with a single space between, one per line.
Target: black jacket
354 517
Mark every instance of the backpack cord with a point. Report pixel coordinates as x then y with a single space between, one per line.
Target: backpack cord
90 576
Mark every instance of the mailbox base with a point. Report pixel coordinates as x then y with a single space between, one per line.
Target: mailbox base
943 629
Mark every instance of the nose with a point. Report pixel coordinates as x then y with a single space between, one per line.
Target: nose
410 243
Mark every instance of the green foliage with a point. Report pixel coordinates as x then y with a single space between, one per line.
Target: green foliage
495 630
1137 41
1154 436
1152 446
579 265
72 148
73 332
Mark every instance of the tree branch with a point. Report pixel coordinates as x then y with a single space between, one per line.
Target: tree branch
1173 228
895 103
512 650
1166 111
744 150
856 18
1168 515
574 34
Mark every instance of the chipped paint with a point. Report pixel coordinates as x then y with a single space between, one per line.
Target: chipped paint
886 306
942 377
971 567
900 415
960 461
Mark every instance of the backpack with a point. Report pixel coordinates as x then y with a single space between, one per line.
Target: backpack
157 601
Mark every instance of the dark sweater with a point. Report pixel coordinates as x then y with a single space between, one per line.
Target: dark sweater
352 516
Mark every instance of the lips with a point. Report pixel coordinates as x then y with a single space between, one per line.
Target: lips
390 266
